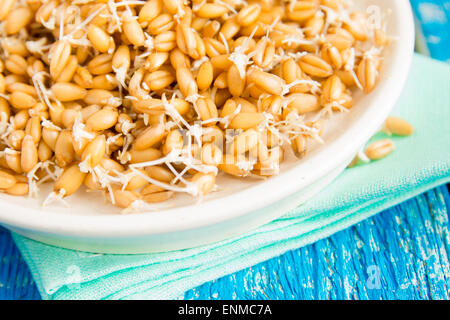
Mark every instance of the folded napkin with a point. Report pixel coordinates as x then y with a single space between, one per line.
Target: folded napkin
420 162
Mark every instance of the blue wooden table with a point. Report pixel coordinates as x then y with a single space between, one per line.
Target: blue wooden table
401 253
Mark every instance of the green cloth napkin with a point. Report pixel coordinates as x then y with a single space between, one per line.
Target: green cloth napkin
420 162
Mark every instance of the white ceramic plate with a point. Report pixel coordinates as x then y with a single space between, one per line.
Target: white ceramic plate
241 205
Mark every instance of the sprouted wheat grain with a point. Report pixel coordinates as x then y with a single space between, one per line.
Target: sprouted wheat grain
146 99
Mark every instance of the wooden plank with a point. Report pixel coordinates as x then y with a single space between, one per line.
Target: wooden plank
15 279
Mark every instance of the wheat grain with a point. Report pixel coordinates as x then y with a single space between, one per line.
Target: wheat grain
136 98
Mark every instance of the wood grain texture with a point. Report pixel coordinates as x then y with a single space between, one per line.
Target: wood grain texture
433 30
16 281
406 248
